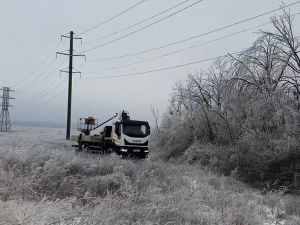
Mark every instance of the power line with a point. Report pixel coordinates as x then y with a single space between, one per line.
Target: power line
182 50
42 103
29 86
38 66
46 88
142 27
174 52
45 78
50 73
119 31
26 87
162 69
39 94
112 18
81 65
49 91
200 35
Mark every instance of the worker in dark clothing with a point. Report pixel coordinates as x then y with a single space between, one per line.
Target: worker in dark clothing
103 133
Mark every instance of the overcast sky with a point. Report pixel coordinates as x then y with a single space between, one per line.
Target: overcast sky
30 30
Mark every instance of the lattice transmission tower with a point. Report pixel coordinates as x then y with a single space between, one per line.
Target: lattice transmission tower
4 117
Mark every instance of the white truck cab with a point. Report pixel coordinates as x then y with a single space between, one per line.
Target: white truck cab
124 136
131 137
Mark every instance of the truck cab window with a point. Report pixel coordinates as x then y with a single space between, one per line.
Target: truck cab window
135 130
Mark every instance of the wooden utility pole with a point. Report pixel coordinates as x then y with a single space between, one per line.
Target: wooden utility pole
70 87
71 55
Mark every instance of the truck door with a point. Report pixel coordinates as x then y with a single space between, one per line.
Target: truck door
117 134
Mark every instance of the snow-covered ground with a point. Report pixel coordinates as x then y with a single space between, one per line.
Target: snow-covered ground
43 180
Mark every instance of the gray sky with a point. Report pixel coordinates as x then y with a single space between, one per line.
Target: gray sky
30 30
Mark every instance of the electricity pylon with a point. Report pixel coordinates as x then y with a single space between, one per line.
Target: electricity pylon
4 117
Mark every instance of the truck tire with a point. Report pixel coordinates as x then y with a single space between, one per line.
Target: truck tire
109 151
86 148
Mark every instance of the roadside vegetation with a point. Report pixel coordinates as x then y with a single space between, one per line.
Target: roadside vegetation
242 115
49 183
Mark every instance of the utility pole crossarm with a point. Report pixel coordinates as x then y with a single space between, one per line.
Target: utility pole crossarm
63 71
78 38
61 53
70 37
8 89
6 97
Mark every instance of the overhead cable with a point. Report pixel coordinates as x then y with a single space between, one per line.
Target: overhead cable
174 52
26 87
112 18
164 18
37 66
50 91
161 69
181 50
200 35
42 103
124 29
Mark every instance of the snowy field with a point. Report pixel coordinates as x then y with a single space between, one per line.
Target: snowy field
45 181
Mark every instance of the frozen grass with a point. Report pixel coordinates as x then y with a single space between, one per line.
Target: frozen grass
46 182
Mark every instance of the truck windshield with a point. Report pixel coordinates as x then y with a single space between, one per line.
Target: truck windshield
135 130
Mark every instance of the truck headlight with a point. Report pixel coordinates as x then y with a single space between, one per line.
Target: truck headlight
124 150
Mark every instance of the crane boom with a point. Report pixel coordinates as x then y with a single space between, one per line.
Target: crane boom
105 122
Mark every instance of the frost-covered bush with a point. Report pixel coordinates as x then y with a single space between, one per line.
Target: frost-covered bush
243 113
174 141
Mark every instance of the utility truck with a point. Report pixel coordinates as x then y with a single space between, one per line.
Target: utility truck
123 136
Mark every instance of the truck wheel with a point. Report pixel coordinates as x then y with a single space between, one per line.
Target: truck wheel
109 151
86 148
